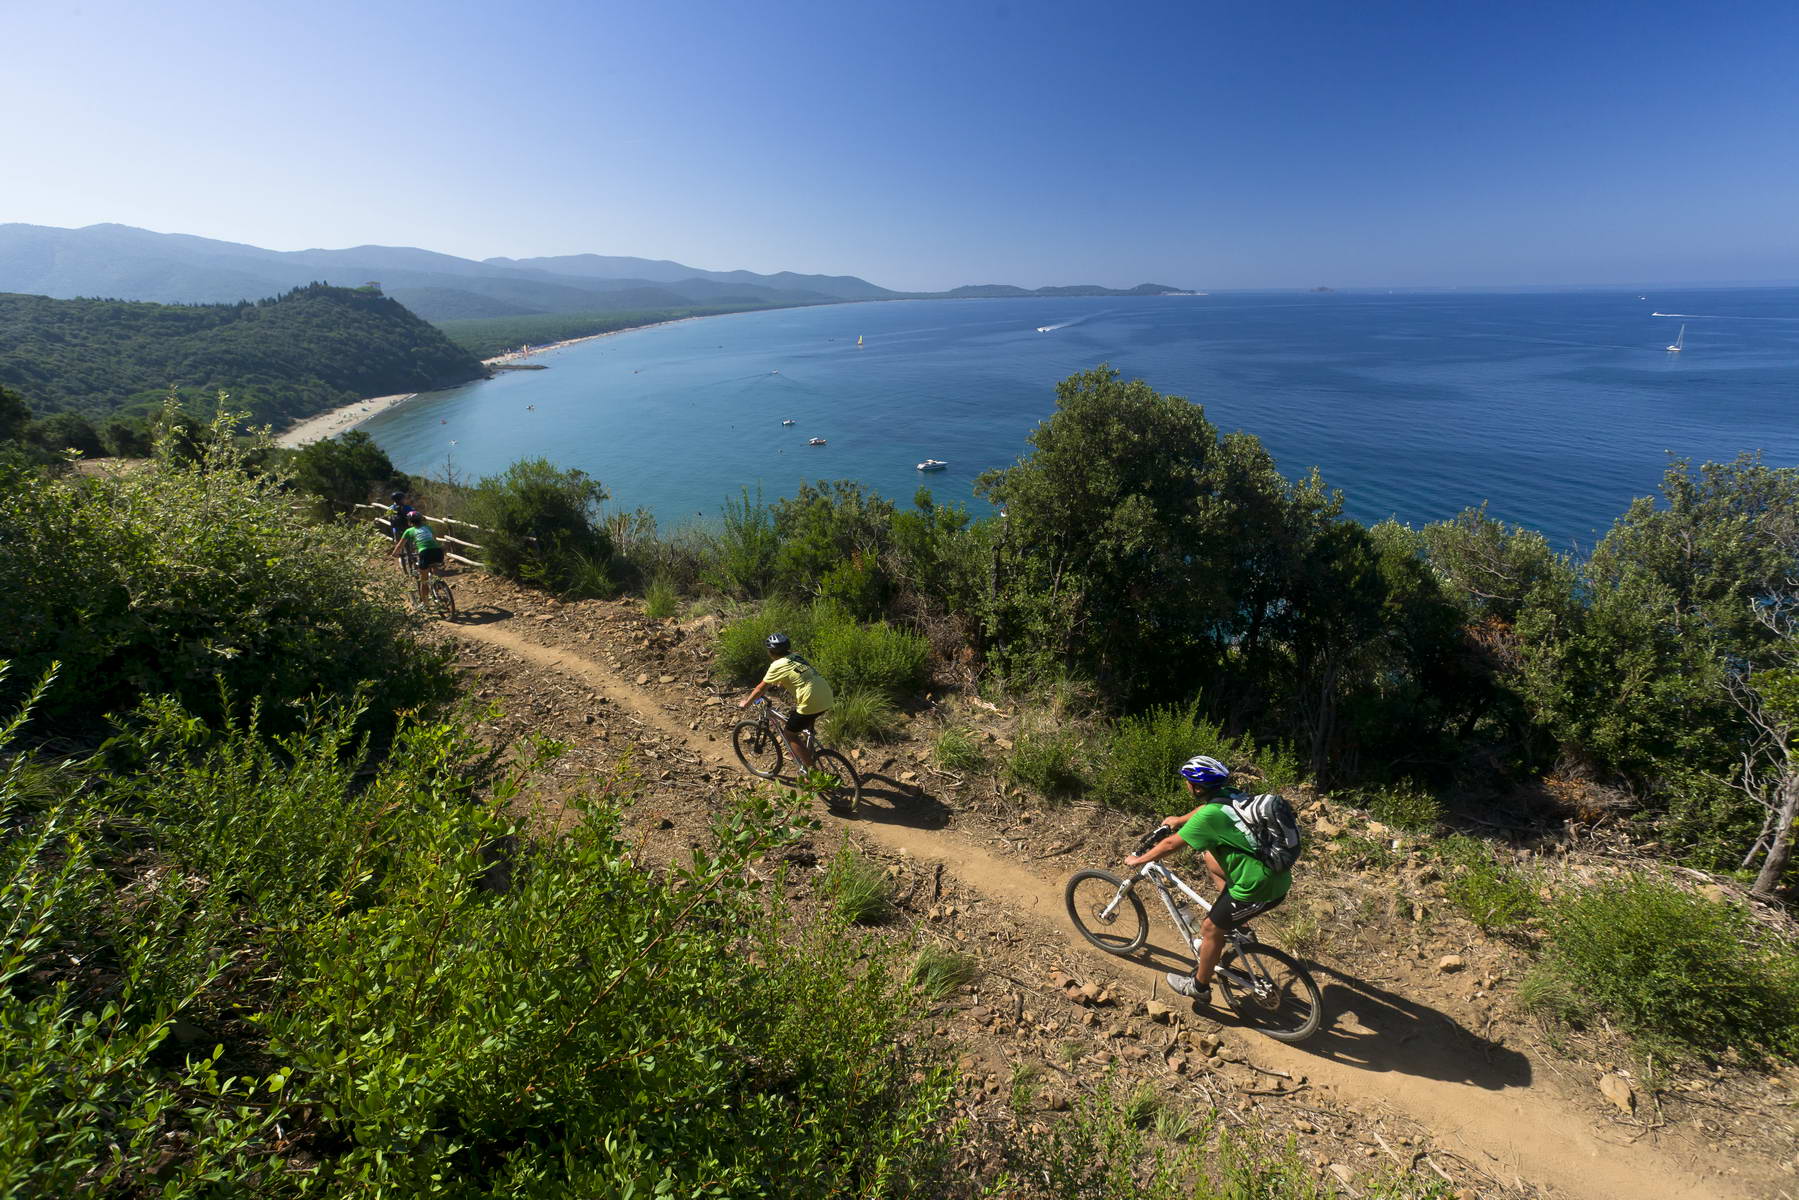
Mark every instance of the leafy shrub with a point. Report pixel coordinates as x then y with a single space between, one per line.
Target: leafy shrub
743 552
382 963
1409 808
861 715
1139 768
186 576
660 598
1679 970
958 750
1493 896
1048 762
742 653
857 889
344 470
875 657
937 971
541 526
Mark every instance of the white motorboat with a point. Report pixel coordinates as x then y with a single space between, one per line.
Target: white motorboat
932 464
816 442
788 421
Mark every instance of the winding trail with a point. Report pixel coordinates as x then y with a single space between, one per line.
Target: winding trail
1476 1097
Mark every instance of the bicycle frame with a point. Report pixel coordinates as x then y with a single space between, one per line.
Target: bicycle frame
1166 882
776 720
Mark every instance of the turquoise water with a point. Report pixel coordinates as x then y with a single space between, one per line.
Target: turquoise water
1555 409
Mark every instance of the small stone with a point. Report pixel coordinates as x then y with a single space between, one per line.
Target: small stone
1305 1127
1617 1089
1155 1010
908 776
1449 964
1344 1175
665 679
643 679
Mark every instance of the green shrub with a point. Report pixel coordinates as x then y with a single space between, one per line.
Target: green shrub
1406 807
1676 969
188 575
382 964
541 526
1493 896
1139 770
876 657
742 554
958 749
742 653
660 598
344 471
1049 762
858 890
937 971
861 715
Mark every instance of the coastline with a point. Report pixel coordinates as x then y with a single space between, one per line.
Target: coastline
340 420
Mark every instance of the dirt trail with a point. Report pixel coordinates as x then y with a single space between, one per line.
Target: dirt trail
1484 1100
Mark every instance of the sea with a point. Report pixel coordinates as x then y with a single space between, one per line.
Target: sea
1552 409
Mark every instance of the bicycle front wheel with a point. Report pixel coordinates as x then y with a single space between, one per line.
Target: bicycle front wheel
1273 992
758 748
844 789
1107 912
443 599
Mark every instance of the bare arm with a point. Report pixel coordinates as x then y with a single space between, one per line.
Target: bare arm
1161 849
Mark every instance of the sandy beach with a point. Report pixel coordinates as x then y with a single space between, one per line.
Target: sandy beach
338 420
348 417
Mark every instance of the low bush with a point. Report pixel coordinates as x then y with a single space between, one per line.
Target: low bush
1495 897
861 715
1683 972
1049 762
1139 769
358 961
937 971
957 749
1406 807
742 653
876 657
190 574
858 890
541 525
659 598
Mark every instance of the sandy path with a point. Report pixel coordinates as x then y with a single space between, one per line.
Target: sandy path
1382 1048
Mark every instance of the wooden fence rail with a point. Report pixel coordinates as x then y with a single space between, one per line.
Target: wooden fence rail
442 537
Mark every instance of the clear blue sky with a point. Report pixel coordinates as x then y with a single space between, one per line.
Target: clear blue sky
925 145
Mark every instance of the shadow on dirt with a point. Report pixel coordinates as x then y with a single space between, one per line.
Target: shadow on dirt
1373 1029
484 614
890 802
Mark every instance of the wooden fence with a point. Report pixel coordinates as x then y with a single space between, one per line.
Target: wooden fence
383 522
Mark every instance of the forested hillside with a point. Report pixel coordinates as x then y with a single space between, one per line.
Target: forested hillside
304 352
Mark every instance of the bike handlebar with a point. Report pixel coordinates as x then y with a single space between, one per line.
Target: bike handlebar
1152 837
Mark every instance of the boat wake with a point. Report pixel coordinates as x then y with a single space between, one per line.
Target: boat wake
1719 317
1066 324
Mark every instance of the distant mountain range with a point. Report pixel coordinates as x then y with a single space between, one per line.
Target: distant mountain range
122 262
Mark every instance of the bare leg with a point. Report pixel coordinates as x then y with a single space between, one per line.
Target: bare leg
1211 947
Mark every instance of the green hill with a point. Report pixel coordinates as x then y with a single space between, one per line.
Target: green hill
311 349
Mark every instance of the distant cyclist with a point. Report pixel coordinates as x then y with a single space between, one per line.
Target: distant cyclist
1245 885
424 543
399 516
812 696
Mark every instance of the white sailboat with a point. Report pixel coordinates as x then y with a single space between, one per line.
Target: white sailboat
1679 341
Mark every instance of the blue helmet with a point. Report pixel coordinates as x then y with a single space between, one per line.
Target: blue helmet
1204 771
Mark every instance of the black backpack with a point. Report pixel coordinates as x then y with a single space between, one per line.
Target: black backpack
1272 828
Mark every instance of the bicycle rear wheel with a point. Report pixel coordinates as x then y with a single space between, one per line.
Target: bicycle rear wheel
1107 912
443 599
1280 998
844 790
758 748
409 562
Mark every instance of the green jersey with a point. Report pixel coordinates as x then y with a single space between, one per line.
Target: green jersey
1216 828
420 538
811 694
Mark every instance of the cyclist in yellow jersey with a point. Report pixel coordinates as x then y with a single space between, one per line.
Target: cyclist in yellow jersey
812 696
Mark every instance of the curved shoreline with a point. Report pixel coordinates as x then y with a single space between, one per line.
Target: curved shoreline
343 419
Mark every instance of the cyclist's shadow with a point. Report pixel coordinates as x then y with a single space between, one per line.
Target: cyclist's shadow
892 802
1371 1028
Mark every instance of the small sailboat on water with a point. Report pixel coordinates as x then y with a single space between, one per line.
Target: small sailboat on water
1679 341
858 341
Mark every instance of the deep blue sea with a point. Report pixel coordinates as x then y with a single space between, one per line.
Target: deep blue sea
1554 409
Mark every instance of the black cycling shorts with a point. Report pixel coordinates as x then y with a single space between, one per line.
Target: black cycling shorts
1228 912
798 723
431 556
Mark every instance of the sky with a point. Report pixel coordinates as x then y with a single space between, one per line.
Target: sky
926 145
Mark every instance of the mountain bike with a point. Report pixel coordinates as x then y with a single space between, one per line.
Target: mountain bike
440 598
1267 988
758 742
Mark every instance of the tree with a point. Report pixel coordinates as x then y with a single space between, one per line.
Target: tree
14 416
344 470
60 432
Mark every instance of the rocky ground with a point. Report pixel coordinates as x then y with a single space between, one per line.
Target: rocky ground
1426 1065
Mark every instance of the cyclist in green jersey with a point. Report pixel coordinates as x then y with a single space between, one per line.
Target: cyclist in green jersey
424 543
812 696
1245 885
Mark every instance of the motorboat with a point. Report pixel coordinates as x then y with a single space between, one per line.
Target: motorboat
788 421
932 464
815 442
